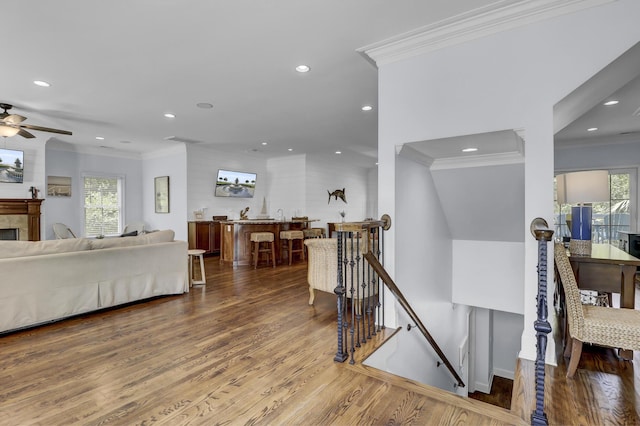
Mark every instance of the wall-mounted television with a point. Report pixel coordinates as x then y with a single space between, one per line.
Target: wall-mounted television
11 165
235 184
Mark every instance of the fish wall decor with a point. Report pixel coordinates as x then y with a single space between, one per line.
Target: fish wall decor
338 193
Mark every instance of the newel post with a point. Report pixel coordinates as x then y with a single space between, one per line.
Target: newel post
539 229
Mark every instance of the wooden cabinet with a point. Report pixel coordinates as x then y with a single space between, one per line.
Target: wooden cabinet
205 235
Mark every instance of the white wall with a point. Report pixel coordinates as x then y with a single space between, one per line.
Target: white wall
621 155
203 164
488 274
482 341
34 168
287 187
297 184
324 177
64 160
472 212
170 162
509 80
507 329
424 275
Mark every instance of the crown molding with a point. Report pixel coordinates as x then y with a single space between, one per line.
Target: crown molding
478 161
496 17
407 151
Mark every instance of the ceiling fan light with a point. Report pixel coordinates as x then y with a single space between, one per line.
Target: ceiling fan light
8 131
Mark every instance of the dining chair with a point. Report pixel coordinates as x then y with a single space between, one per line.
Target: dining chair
598 325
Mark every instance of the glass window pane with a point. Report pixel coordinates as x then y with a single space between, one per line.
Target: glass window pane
608 217
102 199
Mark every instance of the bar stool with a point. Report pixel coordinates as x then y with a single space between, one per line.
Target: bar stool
199 254
263 237
290 237
313 233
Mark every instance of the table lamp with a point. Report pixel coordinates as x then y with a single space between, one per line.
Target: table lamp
582 189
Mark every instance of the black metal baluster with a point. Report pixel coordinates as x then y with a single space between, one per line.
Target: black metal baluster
341 354
539 229
366 291
380 291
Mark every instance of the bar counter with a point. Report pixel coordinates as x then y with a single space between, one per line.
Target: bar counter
235 243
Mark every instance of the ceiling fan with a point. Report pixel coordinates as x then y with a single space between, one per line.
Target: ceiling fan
10 125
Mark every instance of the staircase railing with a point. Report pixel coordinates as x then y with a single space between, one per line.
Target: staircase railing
360 270
540 230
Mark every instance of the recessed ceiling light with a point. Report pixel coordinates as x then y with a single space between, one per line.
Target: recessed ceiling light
609 103
367 108
469 149
338 152
41 83
170 115
264 143
100 138
204 105
303 68
290 149
592 129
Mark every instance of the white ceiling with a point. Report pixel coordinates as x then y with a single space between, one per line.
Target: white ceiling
584 108
116 67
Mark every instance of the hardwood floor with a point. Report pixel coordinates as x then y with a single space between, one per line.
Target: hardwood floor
604 391
501 391
245 349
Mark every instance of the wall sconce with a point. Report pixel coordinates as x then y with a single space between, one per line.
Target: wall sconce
582 188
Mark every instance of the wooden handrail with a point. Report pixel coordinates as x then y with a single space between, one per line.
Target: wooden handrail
382 273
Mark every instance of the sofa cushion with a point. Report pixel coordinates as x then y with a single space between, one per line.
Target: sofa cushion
103 243
152 238
10 249
165 236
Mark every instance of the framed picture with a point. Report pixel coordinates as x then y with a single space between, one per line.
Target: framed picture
58 186
161 190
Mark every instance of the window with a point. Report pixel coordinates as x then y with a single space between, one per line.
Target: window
610 217
102 205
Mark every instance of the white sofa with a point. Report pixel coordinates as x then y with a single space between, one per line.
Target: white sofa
48 280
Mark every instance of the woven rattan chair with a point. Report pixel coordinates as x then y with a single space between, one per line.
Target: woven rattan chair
322 272
598 325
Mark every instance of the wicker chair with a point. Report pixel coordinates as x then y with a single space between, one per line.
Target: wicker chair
322 273
598 325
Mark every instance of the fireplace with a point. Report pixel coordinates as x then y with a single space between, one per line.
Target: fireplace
23 215
9 234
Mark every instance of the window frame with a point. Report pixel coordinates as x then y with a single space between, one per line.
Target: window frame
121 199
633 194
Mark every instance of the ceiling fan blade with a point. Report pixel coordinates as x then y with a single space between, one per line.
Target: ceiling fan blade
14 119
25 134
46 129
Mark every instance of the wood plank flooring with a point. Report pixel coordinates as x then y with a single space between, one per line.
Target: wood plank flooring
604 391
245 349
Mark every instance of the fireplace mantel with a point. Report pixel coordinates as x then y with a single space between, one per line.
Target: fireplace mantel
26 206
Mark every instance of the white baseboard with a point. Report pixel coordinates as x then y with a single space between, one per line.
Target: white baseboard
484 387
504 373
